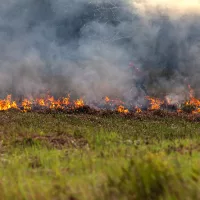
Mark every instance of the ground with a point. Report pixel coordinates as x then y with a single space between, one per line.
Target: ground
98 156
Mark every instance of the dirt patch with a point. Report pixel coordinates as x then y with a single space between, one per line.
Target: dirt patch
53 141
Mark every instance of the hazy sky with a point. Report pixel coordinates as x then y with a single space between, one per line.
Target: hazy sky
177 6
185 4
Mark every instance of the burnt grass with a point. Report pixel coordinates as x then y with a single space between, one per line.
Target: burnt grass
99 154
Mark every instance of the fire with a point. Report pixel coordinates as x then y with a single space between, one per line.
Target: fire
138 110
54 104
6 104
121 109
27 105
14 105
49 102
107 99
155 103
66 101
41 102
193 101
116 102
79 103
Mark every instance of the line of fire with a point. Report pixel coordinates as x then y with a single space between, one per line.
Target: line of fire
191 105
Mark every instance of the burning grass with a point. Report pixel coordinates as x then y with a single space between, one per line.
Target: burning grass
66 104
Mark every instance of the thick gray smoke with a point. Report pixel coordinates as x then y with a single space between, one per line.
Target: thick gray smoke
84 48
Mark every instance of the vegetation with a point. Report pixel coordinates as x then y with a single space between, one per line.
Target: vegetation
91 156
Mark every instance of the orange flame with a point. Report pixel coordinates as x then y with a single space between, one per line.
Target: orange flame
155 103
41 102
193 101
138 110
79 103
6 104
27 105
65 102
107 99
121 109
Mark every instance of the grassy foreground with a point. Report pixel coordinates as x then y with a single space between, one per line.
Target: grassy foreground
62 156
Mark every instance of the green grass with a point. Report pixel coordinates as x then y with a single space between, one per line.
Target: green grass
62 156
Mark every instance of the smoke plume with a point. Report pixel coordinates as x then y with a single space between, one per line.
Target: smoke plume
84 48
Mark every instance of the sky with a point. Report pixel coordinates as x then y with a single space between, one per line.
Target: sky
177 6
183 4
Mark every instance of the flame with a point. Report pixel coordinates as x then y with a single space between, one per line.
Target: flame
193 101
54 104
116 102
27 105
138 110
65 103
107 99
121 109
7 103
155 103
79 103
41 102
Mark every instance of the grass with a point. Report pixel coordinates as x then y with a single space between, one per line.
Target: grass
81 156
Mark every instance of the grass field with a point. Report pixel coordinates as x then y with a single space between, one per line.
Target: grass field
81 156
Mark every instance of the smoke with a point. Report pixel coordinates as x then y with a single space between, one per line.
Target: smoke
84 48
